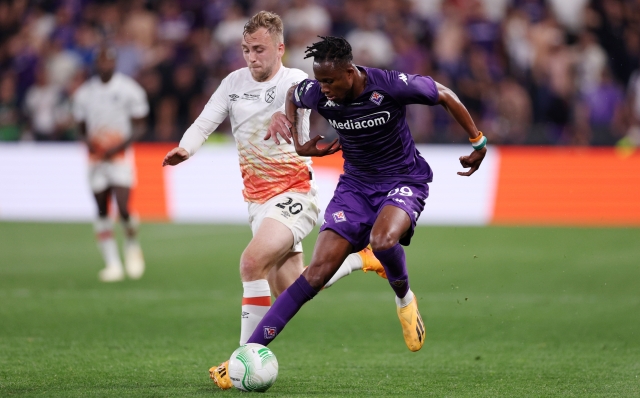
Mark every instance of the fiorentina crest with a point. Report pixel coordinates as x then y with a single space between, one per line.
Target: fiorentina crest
376 98
270 332
339 216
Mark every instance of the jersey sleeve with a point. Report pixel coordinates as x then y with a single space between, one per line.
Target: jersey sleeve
411 89
138 104
214 113
306 94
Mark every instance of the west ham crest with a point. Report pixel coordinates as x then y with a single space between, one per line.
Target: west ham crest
270 95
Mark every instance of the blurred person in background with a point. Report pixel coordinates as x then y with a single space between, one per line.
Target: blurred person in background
110 109
279 188
45 110
9 112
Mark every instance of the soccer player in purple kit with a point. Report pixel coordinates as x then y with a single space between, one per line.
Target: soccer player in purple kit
383 190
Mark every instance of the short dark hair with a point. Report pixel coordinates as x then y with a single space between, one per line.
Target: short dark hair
330 49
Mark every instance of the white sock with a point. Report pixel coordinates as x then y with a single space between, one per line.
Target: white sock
256 301
107 243
403 302
352 263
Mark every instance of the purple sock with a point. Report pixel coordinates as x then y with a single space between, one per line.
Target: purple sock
394 264
281 312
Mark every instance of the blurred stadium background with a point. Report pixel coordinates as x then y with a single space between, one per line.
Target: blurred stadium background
547 81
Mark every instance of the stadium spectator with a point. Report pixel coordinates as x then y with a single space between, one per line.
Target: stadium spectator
9 114
535 43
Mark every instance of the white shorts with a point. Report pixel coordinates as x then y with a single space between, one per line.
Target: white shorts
103 175
297 211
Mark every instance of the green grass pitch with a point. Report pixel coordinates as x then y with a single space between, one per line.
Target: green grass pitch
510 311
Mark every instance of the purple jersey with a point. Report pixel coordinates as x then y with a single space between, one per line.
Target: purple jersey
376 142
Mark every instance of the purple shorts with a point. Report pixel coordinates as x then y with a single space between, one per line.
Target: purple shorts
355 206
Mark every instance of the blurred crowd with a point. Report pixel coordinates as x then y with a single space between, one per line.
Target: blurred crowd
552 72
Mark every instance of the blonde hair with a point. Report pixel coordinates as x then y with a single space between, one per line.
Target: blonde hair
268 20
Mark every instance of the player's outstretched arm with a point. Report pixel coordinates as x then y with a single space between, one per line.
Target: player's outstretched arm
450 101
309 148
175 156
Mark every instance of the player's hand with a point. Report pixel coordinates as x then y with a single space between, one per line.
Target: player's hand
111 152
310 148
175 156
473 161
279 125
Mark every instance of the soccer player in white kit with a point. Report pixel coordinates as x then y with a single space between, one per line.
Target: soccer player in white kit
278 184
110 109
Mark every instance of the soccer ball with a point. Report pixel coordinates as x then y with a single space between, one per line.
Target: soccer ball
253 367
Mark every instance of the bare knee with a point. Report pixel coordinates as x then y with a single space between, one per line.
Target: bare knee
252 269
382 241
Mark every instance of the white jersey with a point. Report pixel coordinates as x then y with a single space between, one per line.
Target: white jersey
267 169
107 109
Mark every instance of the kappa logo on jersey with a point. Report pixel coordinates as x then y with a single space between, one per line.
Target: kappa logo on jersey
376 98
339 216
232 98
270 332
250 97
245 315
403 77
363 122
308 86
330 104
399 201
270 95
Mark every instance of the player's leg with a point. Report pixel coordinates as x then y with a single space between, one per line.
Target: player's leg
133 258
270 247
103 228
271 243
363 260
282 275
330 252
392 224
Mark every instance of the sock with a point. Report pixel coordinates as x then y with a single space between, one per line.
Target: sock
256 301
352 263
403 302
285 307
394 264
106 242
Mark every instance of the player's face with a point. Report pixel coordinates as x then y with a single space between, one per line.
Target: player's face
105 66
336 81
263 53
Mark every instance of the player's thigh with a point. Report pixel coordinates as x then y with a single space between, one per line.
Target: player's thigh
98 177
390 226
270 243
398 214
120 174
296 211
102 201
